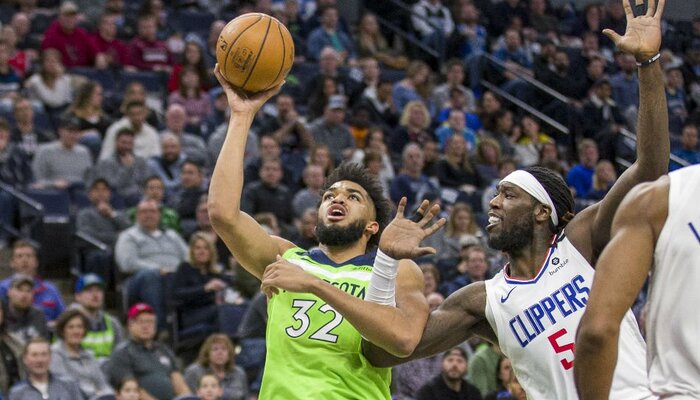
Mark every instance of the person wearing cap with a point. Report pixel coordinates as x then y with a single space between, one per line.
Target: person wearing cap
47 297
71 41
152 363
450 383
22 320
331 130
63 162
41 384
104 331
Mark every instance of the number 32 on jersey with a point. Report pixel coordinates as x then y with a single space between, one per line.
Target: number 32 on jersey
303 321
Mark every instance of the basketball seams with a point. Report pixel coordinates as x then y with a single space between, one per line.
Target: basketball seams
257 57
284 55
231 46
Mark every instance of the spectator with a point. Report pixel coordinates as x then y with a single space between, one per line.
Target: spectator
62 164
124 170
456 125
72 42
483 363
287 128
331 131
689 147
218 116
413 128
212 39
321 155
10 83
21 24
461 229
450 383
209 388
69 357
676 99
375 144
145 136
15 170
192 58
318 99
24 261
101 222
559 74
25 133
40 382
104 331
186 198
168 165
410 377
516 60
468 39
217 357
87 108
503 373
51 85
305 232
455 80
175 123
146 52
111 52
148 252
473 266
197 283
431 278
504 13
580 177
433 23
410 182
431 155
129 389
456 170
269 194
135 91
541 19
370 42
309 196
488 157
190 95
154 190
152 363
11 366
381 102
625 88
603 179
529 144
603 119
500 128
415 86
251 332
19 60
22 320
329 34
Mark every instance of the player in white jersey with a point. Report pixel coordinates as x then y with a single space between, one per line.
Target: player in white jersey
657 230
532 308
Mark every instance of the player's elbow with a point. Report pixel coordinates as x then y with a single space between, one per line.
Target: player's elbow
220 215
404 345
594 334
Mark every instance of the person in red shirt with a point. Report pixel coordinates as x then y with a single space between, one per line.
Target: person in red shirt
146 51
111 52
71 41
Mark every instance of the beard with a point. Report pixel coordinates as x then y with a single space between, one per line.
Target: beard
335 236
516 238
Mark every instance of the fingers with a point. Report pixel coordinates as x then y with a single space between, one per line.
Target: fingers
628 10
435 227
612 35
420 213
423 251
267 94
401 207
659 9
428 216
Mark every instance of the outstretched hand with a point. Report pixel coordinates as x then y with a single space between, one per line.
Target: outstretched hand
240 102
402 236
642 36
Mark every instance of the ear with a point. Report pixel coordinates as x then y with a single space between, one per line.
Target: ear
543 213
372 227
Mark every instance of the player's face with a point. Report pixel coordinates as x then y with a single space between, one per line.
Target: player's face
345 212
511 218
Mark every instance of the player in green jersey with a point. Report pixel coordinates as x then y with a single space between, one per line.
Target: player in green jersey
314 351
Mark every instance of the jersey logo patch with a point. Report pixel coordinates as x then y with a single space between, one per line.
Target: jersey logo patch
504 299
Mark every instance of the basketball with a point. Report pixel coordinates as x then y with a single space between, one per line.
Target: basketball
255 52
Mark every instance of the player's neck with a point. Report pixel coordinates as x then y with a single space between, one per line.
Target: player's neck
340 254
526 263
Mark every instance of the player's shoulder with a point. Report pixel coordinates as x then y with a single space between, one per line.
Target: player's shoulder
647 198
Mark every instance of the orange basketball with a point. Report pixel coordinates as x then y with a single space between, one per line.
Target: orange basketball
255 52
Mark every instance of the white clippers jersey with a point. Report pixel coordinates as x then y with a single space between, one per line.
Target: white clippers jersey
673 323
536 321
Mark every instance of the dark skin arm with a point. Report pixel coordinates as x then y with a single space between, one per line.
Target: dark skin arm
622 269
589 231
457 319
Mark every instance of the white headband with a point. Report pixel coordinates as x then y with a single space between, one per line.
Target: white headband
525 181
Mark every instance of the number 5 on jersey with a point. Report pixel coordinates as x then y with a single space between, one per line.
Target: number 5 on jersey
561 348
302 316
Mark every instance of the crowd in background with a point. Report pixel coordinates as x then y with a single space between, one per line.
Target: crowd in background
113 106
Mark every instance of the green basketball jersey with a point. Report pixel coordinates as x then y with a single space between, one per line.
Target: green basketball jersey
312 351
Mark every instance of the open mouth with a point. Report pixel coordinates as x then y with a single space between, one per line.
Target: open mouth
336 213
493 220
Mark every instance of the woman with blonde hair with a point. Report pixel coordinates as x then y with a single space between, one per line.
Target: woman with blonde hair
372 43
461 228
217 357
417 85
413 128
197 284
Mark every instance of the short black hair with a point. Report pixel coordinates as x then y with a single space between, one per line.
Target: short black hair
558 191
350 171
458 349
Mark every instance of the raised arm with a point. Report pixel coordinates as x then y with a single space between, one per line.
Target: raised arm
590 230
458 318
622 269
246 239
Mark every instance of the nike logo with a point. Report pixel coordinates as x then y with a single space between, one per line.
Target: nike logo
503 299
